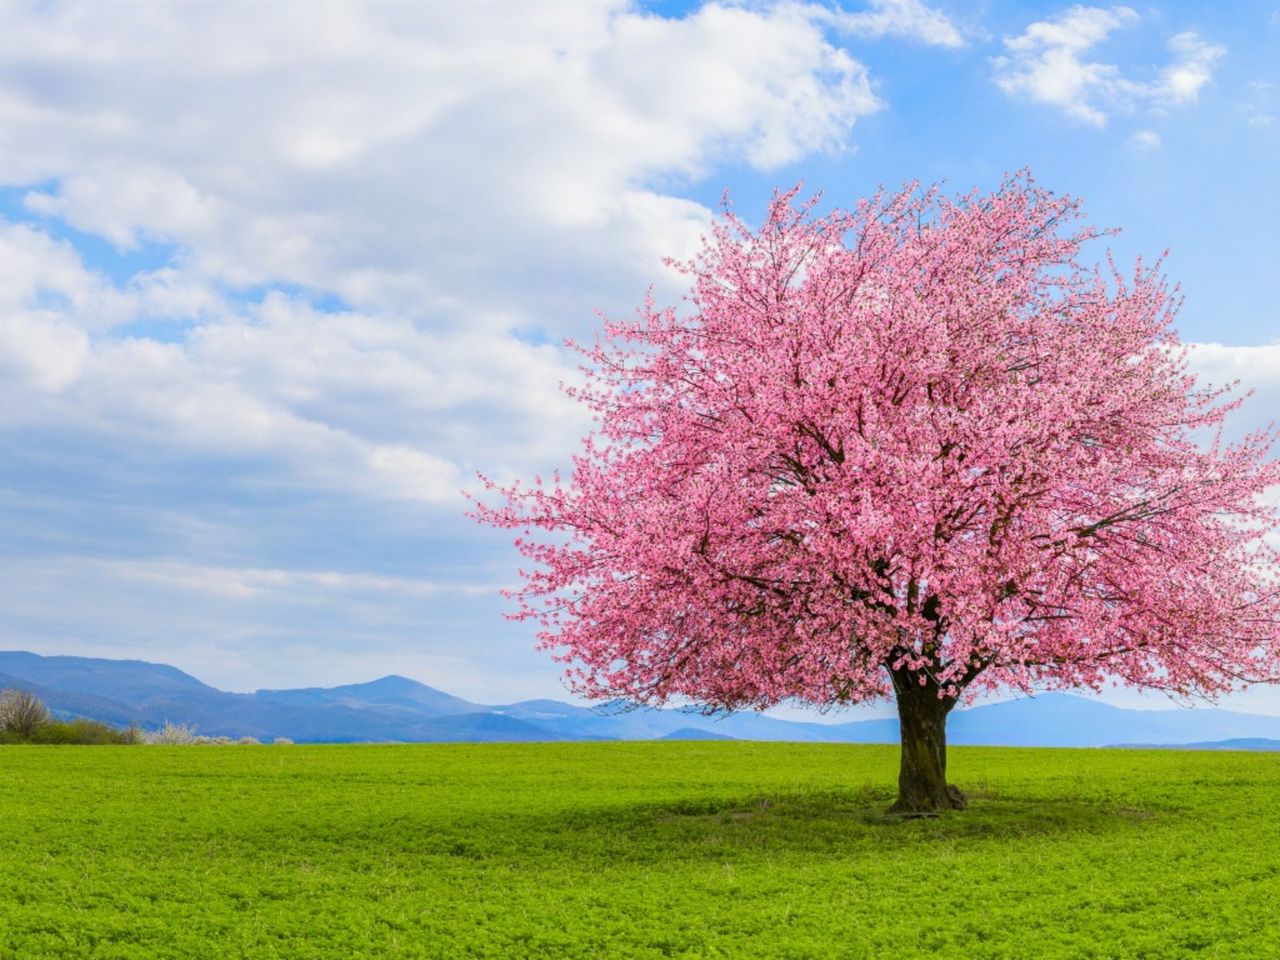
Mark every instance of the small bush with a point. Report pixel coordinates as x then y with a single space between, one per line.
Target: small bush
172 734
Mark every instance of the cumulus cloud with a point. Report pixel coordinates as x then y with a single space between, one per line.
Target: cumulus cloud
373 405
1050 63
1192 67
373 149
458 177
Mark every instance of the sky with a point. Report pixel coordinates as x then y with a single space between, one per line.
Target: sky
277 279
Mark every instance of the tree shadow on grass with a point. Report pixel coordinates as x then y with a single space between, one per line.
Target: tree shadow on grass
832 824
865 812
814 824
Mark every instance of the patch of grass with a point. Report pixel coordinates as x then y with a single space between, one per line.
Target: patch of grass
644 850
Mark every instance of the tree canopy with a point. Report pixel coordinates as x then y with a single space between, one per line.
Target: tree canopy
917 444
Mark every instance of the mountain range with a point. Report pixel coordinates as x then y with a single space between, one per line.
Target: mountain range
395 708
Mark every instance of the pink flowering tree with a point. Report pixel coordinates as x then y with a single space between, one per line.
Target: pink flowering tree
915 450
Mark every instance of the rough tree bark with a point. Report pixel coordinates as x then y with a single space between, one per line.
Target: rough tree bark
923 790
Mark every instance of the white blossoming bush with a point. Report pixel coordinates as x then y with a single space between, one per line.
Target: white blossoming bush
184 734
171 734
22 713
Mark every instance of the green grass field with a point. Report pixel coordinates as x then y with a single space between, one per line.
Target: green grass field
631 850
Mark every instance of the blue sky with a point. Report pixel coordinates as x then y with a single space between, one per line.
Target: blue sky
276 280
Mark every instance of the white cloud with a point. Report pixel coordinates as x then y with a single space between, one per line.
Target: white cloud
43 292
373 405
38 273
245 583
1049 63
900 18
1257 368
1145 140
1192 68
457 174
380 148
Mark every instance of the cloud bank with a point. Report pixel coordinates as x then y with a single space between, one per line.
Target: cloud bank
1050 63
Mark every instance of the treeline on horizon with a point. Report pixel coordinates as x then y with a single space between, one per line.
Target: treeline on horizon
24 719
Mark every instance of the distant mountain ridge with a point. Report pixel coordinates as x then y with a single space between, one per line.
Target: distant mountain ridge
390 692
396 708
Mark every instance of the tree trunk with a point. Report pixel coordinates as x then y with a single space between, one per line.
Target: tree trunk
923 790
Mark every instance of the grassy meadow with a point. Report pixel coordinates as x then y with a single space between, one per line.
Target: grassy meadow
696 849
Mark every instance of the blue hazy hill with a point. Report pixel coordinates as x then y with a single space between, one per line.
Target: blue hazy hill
692 733
131 682
1062 720
390 692
396 708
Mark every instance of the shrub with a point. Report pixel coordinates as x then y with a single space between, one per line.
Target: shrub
85 732
172 734
22 713
184 734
